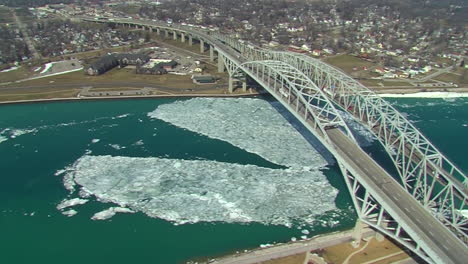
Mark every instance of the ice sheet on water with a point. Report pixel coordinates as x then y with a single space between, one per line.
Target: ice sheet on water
69 203
251 124
108 213
14 132
185 191
2 139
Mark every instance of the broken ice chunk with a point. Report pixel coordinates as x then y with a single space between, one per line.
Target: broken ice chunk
69 203
108 213
69 213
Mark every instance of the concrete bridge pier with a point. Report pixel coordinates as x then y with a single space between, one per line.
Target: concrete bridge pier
158 31
190 40
231 84
244 86
182 37
220 63
357 233
150 29
174 34
202 46
166 33
211 53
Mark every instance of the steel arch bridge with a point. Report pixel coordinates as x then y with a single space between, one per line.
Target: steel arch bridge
424 211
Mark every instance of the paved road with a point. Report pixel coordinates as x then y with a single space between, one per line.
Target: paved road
24 30
110 85
291 249
412 214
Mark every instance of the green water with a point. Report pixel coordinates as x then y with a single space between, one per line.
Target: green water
32 230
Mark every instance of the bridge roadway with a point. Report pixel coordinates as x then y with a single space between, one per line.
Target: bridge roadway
430 232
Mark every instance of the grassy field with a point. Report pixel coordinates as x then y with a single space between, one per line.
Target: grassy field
448 77
382 83
348 62
21 73
32 94
294 259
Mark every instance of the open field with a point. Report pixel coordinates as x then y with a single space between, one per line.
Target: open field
451 78
37 93
383 83
348 62
294 259
11 76
115 75
375 252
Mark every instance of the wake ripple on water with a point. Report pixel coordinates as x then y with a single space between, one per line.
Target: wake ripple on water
184 191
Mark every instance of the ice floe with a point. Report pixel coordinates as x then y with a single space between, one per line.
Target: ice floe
108 213
184 191
250 124
11 133
116 146
139 143
69 203
96 140
426 95
70 212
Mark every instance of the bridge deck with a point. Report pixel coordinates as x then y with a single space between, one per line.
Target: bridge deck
416 217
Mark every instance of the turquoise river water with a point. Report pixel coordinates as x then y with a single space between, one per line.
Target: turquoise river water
37 140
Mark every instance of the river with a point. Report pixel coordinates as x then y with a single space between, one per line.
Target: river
39 141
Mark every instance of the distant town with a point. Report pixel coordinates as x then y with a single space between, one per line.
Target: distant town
381 43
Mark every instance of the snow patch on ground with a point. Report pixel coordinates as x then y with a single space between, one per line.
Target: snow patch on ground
108 213
11 69
250 124
184 191
47 67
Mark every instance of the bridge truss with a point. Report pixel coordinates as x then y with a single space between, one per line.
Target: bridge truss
312 91
424 171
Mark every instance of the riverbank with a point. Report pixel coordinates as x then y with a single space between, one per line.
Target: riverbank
187 95
330 248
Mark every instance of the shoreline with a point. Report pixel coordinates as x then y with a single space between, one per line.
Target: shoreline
72 99
421 95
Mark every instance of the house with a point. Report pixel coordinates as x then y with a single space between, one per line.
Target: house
102 65
316 52
379 70
155 66
111 61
